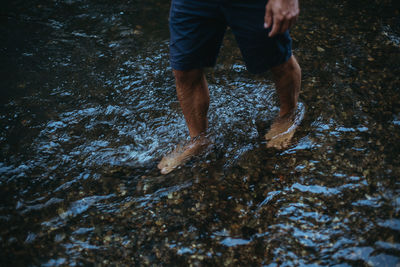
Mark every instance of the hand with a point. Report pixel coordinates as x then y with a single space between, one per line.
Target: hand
281 14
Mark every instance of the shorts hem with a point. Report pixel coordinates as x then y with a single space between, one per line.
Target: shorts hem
269 66
188 66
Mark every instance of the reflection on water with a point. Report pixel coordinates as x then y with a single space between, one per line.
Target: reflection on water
88 108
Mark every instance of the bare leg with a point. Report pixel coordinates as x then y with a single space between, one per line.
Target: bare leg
287 77
194 98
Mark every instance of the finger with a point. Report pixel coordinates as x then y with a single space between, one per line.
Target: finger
268 18
285 26
275 26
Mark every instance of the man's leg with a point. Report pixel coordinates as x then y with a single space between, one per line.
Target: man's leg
194 98
287 78
196 30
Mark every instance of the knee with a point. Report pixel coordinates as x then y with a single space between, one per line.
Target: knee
290 67
295 66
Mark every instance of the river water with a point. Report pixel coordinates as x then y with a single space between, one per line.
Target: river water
88 108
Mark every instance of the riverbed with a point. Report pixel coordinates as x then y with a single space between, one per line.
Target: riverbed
88 109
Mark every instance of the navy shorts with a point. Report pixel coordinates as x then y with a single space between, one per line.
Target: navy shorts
197 28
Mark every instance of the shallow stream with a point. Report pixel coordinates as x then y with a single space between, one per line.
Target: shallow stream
88 108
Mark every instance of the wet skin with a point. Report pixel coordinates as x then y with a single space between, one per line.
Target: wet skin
181 154
193 94
194 98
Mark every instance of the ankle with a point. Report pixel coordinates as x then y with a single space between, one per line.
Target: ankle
287 110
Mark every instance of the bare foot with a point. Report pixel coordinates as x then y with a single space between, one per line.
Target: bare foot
181 154
283 128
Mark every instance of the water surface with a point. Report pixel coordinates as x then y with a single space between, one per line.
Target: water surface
88 108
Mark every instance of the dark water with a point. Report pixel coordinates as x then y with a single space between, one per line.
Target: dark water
88 108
